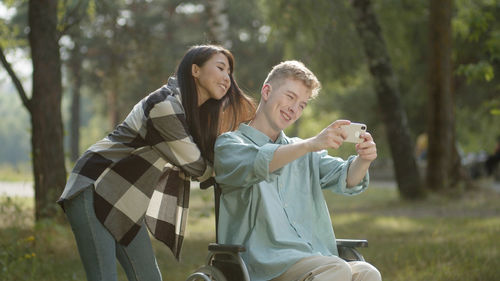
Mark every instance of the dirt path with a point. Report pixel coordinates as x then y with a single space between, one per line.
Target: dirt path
21 189
25 189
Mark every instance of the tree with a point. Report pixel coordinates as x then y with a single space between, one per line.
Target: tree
339 60
218 23
44 105
74 16
75 68
388 97
476 53
444 171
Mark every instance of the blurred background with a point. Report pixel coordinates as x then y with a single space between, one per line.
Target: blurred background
423 75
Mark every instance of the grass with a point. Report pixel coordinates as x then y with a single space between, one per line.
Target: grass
20 172
435 239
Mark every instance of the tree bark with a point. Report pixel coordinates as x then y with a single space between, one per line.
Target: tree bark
75 67
218 23
112 95
441 164
112 103
15 80
389 101
45 107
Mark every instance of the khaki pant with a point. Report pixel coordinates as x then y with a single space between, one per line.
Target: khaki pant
331 268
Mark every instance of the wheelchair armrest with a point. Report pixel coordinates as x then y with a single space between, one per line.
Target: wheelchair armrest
347 249
226 248
352 243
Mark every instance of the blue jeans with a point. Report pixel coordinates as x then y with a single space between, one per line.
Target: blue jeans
99 250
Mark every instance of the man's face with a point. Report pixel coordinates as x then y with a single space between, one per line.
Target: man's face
284 102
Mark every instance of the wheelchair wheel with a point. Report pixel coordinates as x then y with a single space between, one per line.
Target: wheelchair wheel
207 273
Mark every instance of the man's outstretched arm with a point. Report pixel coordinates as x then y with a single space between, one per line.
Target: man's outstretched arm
331 137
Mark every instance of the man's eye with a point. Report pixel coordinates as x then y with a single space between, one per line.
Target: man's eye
220 68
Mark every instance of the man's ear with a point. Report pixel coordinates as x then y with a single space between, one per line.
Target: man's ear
266 91
195 70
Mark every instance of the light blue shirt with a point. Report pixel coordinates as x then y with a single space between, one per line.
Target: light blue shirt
280 217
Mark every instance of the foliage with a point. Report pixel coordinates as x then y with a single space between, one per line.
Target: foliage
405 28
14 130
252 44
477 56
323 36
131 47
13 28
477 31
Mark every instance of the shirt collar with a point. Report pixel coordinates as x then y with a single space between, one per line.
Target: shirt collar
259 137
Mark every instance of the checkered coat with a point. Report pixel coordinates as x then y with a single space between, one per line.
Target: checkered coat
140 172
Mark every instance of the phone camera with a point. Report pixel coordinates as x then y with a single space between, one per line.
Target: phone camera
363 127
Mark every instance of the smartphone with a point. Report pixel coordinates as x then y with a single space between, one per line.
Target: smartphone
354 130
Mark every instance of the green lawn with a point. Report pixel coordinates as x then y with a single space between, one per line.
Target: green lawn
436 239
21 172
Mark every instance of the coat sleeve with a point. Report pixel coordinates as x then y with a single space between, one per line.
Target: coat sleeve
168 133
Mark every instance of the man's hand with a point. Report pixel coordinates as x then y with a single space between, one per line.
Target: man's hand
331 137
367 150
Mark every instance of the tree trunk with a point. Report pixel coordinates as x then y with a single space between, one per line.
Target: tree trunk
112 95
47 129
442 168
389 102
75 67
218 23
113 111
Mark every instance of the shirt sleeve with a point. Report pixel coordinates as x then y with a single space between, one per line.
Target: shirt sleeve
333 174
242 164
167 130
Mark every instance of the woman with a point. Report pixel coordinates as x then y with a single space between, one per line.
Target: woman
112 185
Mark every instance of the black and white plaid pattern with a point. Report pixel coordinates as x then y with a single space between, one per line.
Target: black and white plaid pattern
167 212
126 166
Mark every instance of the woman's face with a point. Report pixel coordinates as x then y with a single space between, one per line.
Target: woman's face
212 78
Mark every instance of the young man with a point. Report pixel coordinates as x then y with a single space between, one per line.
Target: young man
272 199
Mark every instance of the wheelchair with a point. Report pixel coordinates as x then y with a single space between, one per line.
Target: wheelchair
224 261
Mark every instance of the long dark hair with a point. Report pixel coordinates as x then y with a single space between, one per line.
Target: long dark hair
213 117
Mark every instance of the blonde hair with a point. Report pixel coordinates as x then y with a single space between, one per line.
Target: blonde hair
294 70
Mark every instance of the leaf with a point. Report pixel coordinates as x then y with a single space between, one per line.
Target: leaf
495 111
